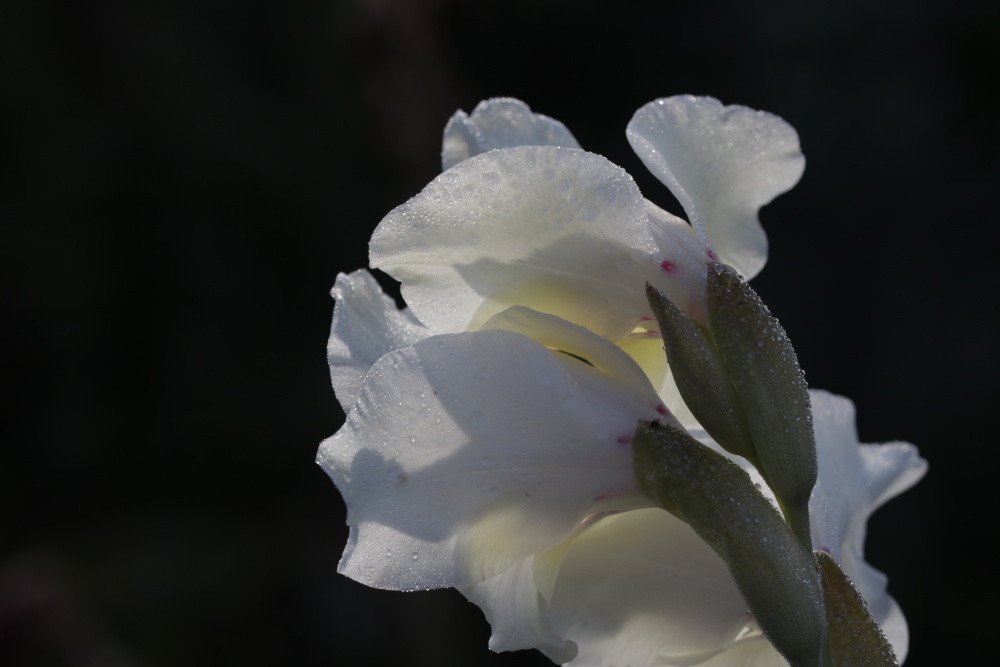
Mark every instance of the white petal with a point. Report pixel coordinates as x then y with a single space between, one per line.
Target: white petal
854 480
517 613
894 626
555 229
722 164
558 334
641 588
891 469
501 122
465 453
751 652
834 500
366 325
683 262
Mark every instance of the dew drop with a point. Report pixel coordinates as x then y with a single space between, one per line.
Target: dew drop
589 212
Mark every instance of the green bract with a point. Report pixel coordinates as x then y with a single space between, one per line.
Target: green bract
771 389
773 570
855 638
741 379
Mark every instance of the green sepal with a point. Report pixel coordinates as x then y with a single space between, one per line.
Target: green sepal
774 572
855 638
702 378
771 389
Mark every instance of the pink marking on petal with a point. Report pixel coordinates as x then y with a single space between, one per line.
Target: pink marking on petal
624 439
711 255
603 496
645 318
662 409
668 266
653 333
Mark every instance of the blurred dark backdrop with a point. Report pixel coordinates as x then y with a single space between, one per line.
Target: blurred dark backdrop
181 182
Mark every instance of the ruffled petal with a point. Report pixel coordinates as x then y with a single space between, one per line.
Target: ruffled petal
366 325
518 614
465 453
501 122
555 229
854 480
722 163
641 588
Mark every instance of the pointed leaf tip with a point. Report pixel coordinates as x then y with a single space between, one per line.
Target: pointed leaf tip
771 388
855 638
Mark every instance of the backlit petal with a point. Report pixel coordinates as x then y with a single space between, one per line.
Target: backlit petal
366 325
722 163
465 453
555 229
518 614
642 588
854 480
558 334
501 122
751 652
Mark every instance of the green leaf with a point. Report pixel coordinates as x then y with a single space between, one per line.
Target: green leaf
771 389
702 377
774 572
855 638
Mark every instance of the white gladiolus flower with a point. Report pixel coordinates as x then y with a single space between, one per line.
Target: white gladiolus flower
488 436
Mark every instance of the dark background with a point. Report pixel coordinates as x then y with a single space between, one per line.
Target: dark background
180 183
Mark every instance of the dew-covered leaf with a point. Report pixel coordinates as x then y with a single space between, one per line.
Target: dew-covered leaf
772 390
702 377
855 638
773 571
